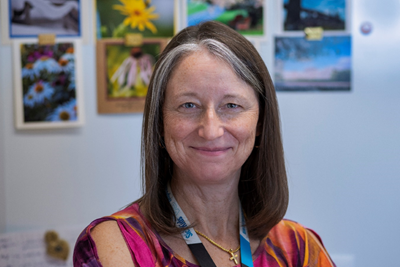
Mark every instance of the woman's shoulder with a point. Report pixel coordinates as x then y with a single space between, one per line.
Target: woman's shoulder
130 215
287 228
118 232
291 240
107 237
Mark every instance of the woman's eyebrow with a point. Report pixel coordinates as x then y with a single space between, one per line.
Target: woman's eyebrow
234 96
179 94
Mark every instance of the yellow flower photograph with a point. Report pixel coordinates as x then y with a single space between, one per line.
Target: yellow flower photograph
151 18
138 14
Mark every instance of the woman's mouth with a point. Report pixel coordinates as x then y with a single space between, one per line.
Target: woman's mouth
211 151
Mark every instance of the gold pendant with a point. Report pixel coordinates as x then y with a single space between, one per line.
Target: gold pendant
233 256
231 251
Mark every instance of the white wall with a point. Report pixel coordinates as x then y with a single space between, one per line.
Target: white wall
69 176
2 154
342 152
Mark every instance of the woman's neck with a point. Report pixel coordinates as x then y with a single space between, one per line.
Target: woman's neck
212 208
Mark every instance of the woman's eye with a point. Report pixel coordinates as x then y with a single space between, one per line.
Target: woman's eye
188 105
231 105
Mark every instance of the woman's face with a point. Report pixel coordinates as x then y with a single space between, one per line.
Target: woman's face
210 119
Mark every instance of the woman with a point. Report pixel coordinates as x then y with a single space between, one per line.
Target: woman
213 167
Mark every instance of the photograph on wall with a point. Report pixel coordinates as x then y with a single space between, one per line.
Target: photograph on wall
302 65
46 85
245 16
299 14
29 18
116 18
123 73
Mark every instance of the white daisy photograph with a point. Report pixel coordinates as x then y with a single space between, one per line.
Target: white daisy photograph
123 73
47 85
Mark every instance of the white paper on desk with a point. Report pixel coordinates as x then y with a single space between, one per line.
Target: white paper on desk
28 249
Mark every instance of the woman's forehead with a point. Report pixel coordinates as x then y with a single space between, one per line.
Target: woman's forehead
204 75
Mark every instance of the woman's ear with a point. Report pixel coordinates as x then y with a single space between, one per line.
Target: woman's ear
161 126
258 129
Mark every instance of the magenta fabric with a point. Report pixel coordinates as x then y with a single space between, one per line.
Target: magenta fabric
287 244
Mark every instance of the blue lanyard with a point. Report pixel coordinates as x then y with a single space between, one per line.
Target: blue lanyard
196 246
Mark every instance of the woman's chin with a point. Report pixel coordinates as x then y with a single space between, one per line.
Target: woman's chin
211 174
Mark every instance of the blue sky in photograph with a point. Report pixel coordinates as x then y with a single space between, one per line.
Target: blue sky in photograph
327 55
334 48
325 6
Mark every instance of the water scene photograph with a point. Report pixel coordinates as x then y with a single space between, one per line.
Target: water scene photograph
302 65
298 14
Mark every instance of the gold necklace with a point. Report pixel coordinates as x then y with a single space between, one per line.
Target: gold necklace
230 251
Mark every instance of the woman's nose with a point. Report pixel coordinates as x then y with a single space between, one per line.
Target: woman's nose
211 126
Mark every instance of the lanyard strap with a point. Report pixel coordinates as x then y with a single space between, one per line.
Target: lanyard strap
245 249
196 246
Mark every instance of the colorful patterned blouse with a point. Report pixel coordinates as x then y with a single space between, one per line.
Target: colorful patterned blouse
287 244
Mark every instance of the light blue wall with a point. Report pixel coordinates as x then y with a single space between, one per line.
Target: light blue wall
342 152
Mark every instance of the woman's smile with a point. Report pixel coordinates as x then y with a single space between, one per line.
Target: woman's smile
211 151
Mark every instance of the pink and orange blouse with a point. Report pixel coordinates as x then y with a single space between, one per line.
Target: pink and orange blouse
287 244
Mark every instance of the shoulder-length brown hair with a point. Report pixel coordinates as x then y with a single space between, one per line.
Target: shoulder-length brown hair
263 189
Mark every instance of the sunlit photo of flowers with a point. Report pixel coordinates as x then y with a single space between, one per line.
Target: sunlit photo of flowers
245 16
152 18
46 86
124 73
129 69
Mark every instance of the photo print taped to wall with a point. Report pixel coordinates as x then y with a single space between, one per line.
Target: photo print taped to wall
302 65
123 73
299 14
246 17
47 84
153 18
29 18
